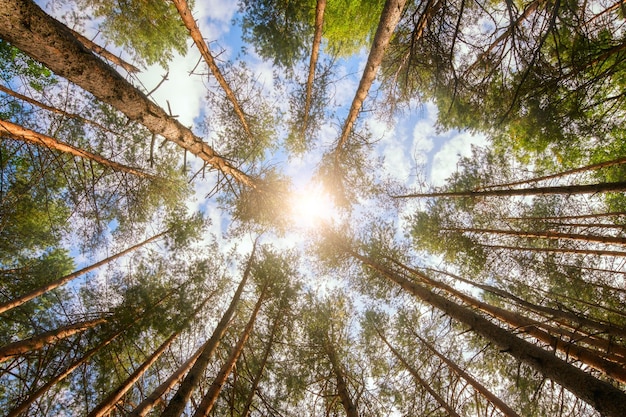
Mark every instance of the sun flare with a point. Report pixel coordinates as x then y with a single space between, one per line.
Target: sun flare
312 206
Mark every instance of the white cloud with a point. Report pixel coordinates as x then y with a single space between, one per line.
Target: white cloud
445 161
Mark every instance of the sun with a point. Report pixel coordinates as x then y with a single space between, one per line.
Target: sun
312 206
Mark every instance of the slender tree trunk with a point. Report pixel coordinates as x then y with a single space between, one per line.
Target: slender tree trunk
579 216
442 402
604 187
55 110
257 378
113 398
20 133
27 27
605 164
194 31
146 405
67 278
488 395
392 11
210 398
566 318
38 342
317 40
104 53
599 252
178 402
613 240
614 369
607 399
342 386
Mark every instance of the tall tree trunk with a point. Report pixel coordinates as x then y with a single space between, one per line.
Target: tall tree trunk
605 164
614 368
442 402
109 402
392 11
210 398
194 31
567 318
55 110
104 53
488 395
614 240
27 27
67 278
20 133
257 378
38 342
147 404
607 399
342 386
604 187
599 252
317 40
178 402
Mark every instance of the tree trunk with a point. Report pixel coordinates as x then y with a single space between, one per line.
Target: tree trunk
488 395
389 19
605 164
604 397
599 252
63 280
20 133
317 40
194 31
178 402
589 357
146 405
104 53
612 240
55 110
109 402
443 403
342 387
604 187
566 318
38 342
27 27
257 378
210 398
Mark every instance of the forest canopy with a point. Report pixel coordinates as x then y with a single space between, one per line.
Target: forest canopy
312 208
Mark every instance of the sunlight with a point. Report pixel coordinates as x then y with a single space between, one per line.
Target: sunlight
312 207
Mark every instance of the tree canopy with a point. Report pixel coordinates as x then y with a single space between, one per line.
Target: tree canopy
312 208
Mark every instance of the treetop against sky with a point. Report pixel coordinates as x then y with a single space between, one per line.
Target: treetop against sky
312 207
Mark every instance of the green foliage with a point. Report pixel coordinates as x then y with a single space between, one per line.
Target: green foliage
14 63
149 30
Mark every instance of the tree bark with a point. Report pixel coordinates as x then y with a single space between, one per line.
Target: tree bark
604 187
443 403
63 280
257 378
178 402
20 133
210 398
203 47
27 27
109 402
342 386
104 53
607 399
392 11
612 240
599 252
317 40
55 110
38 342
488 395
